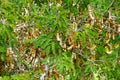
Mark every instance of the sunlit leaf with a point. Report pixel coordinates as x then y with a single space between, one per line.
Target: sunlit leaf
107 50
116 45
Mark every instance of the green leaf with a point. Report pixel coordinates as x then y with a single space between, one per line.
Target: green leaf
53 48
39 41
46 43
2 49
2 56
48 49
83 38
28 41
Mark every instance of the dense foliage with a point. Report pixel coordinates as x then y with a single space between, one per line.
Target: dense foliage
59 39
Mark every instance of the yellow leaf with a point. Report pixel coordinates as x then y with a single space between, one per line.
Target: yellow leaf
87 25
107 50
116 12
93 47
116 45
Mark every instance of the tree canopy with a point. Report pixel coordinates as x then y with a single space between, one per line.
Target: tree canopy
59 39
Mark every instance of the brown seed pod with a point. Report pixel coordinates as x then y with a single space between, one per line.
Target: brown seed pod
108 35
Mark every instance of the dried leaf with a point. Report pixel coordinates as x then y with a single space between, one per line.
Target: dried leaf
75 25
59 3
91 15
90 12
70 48
42 54
108 35
113 35
58 38
74 55
118 28
99 25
